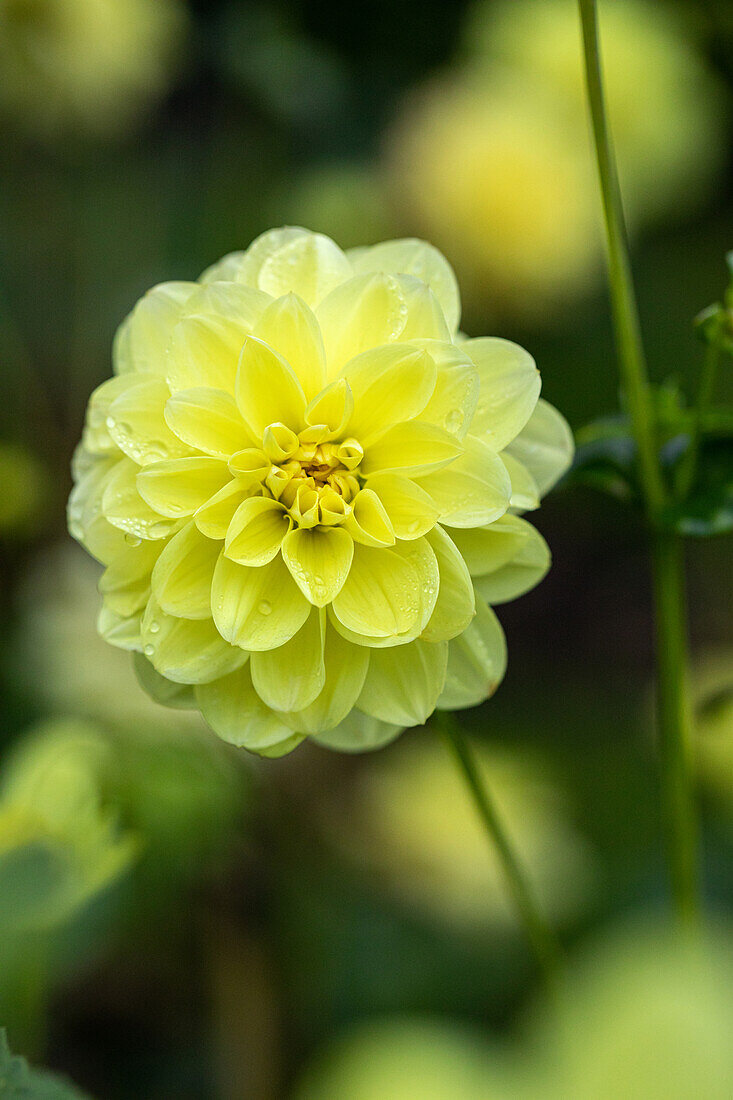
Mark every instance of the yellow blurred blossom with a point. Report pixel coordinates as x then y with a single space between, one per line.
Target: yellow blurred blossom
493 161
425 838
85 65
24 492
302 482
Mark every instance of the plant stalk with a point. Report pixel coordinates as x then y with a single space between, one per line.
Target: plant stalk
705 389
666 549
539 934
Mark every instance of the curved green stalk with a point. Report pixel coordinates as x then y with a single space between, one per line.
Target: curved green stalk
538 932
667 558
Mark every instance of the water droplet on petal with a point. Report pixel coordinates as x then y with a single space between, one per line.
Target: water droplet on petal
132 540
149 650
264 607
454 420
154 627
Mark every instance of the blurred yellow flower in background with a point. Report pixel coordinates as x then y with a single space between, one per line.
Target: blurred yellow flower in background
270 479
85 65
493 161
427 842
60 843
25 491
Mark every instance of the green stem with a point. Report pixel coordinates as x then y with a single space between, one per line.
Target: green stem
539 934
623 302
705 388
667 557
674 719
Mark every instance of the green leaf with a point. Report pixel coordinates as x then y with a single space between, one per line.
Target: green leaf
708 510
18 1081
605 459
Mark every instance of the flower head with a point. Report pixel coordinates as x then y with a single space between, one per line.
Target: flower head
300 481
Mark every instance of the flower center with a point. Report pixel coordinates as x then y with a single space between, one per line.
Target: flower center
313 475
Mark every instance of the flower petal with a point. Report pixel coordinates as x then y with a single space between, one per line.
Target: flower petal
319 560
414 448
289 325
369 522
177 488
125 583
213 517
136 423
358 732
267 390
257 607
455 606
182 576
486 549
390 384
525 494
521 573
142 339
310 264
475 489
414 257
205 344
234 710
257 530
345 668
476 662
292 676
123 506
403 684
208 420
509 388
412 512
455 397
362 313
186 651
545 446
332 407
381 596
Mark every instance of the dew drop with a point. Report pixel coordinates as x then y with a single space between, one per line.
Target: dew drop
454 420
154 627
149 650
132 540
111 422
264 607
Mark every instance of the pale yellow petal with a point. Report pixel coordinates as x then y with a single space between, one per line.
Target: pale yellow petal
290 326
182 576
390 384
136 422
345 670
509 389
96 438
413 448
244 266
179 487
411 510
213 517
205 344
525 494
424 318
267 390
311 265
292 676
142 339
125 583
455 396
362 313
125 509
359 732
518 575
256 531
486 549
369 522
420 259
455 606
186 651
545 446
319 560
257 607
403 684
209 421
381 595
234 710
332 407
476 662
475 488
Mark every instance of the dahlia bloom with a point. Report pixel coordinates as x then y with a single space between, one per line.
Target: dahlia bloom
303 483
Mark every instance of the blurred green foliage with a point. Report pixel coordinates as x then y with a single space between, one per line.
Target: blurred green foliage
236 940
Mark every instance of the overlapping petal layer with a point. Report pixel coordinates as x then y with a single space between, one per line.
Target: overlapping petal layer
303 484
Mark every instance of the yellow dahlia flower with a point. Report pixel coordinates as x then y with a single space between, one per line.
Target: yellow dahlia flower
89 65
302 482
